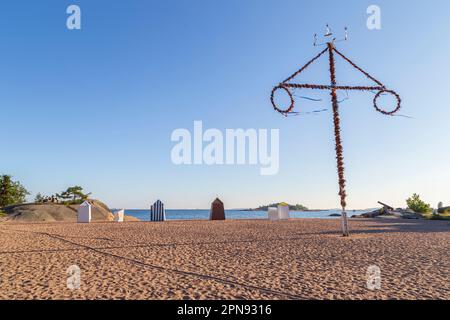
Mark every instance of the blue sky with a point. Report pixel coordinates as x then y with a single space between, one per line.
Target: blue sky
96 107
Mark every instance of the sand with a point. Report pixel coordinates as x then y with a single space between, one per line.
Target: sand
247 259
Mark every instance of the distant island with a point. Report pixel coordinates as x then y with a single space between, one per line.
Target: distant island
297 207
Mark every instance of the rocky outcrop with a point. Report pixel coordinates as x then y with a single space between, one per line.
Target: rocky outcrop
372 214
397 213
52 212
335 215
444 210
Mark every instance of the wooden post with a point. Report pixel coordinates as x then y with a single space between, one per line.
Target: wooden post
337 135
386 206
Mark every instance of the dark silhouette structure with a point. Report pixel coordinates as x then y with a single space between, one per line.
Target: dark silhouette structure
217 210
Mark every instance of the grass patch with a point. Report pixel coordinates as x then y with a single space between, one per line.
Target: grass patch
441 216
2 214
72 202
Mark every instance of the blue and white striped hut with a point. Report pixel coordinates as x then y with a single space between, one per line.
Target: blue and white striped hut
157 212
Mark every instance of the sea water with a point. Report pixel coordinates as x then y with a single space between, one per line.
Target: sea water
199 214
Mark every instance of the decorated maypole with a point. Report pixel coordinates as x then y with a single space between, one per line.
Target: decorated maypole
379 89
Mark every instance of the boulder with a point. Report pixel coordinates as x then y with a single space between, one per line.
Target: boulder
372 214
335 215
444 210
52 212
397 213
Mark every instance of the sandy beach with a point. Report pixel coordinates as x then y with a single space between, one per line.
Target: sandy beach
247 259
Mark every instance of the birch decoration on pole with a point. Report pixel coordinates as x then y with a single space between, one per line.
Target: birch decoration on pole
379 89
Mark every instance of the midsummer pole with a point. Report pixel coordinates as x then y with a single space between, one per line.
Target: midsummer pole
338 141
287 86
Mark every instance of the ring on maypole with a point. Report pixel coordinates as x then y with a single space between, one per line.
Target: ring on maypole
397 97
272 99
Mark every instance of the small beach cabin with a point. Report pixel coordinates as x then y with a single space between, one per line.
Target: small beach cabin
217 210
283 211
119 215
157 212
84 212
273 214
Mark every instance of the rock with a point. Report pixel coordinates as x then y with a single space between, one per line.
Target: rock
411 216
52 212
398 213
406 214
335 215
372 214
444 210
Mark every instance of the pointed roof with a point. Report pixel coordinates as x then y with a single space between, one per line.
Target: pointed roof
85 204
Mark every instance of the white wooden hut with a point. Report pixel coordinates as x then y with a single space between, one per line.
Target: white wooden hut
273 214
157 212
119 215
283 211
84 212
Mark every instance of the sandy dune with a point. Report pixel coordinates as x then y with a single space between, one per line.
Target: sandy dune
297 259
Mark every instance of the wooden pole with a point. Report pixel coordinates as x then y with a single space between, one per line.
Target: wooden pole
338 141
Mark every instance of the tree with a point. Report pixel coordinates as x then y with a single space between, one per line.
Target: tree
417 205
74 194
297 207
11 192
39 198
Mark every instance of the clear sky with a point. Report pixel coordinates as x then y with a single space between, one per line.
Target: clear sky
96 107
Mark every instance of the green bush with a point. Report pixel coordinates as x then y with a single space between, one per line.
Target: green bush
73 195
11 192
446 211
439 217
297 207
72 202
417 205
